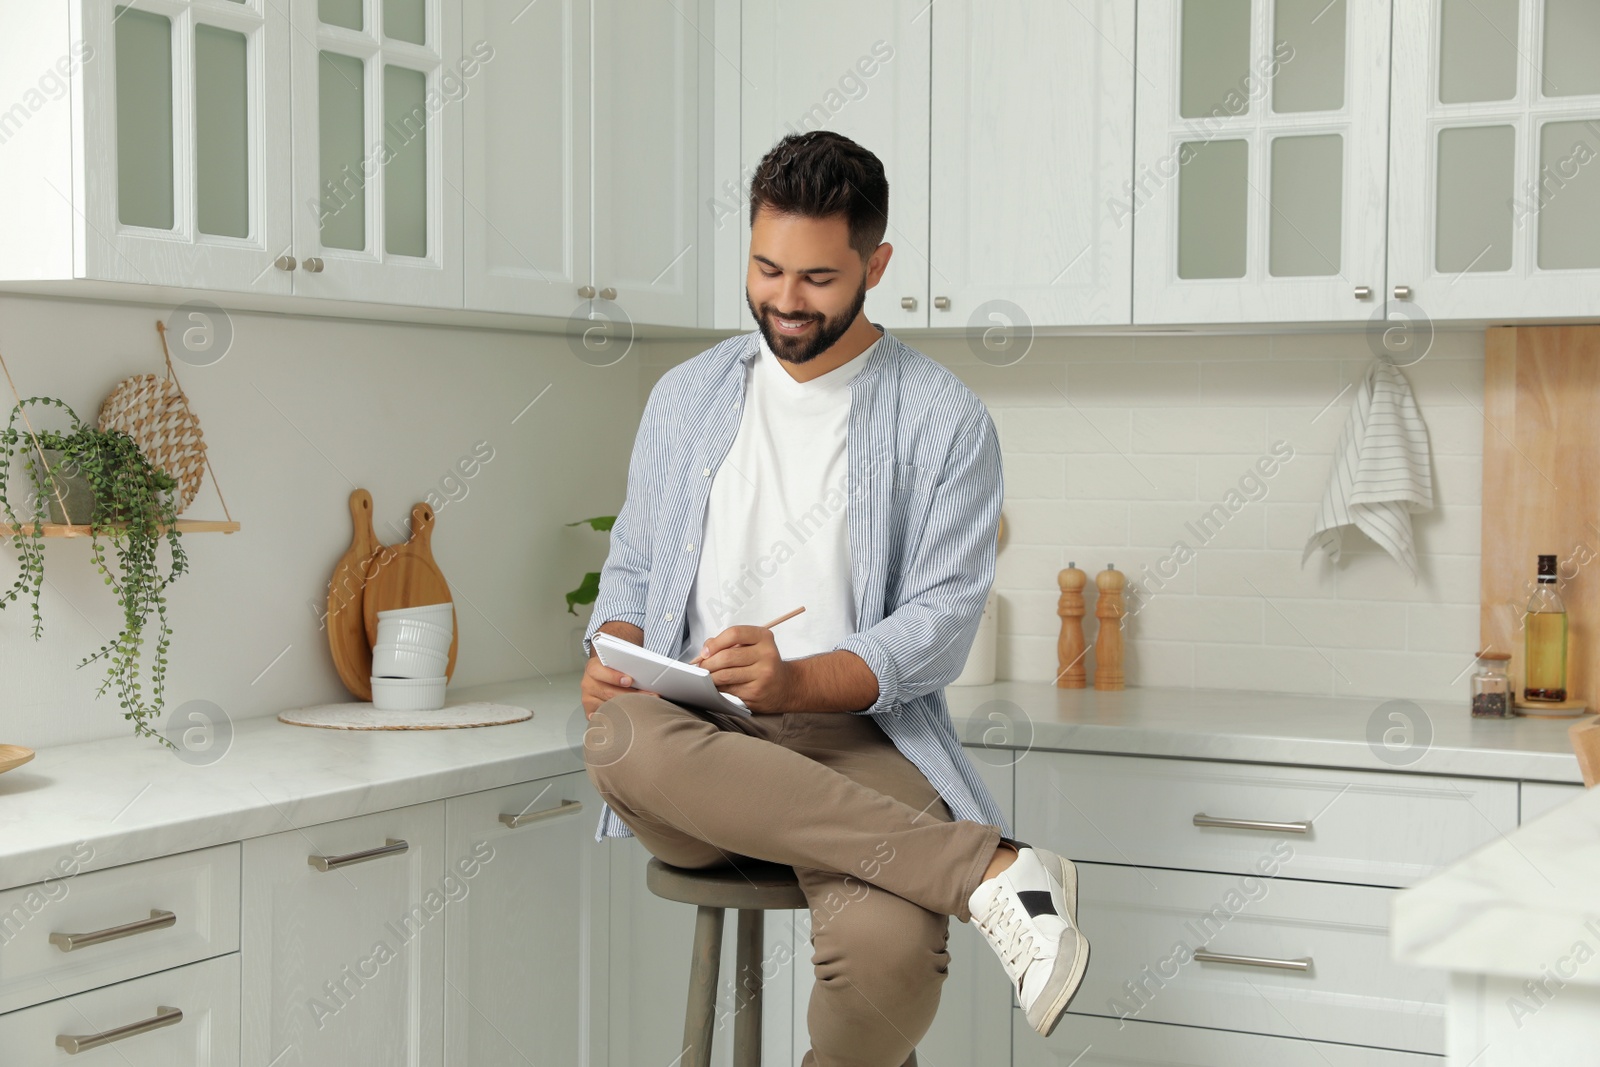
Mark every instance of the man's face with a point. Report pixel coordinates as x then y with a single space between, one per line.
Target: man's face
805 284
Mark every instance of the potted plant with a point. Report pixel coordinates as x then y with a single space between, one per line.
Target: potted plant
589 588
109 485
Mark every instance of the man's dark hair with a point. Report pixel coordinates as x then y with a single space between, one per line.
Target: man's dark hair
821 173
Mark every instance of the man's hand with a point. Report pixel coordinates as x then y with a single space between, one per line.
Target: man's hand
744 661
601 683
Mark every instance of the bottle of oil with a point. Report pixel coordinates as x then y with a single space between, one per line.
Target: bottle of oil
1544 664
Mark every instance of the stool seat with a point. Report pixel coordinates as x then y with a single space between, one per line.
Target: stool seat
748 886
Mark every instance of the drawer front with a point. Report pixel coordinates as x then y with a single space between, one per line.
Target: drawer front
1372 828
1541 797
204 1033
1083 1041
168 912
1148 930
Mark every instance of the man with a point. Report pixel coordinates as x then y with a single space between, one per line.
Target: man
821 463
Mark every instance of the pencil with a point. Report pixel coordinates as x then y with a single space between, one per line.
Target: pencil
781 618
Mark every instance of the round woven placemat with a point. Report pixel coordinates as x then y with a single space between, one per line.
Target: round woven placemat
154 413
364 716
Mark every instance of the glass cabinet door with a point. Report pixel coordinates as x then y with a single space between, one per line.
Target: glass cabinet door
378 86
1261 136
1494 199
186 130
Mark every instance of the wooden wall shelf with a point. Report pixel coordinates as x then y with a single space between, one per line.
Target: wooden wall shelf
58 529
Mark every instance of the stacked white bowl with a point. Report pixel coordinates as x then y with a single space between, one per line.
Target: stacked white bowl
410 657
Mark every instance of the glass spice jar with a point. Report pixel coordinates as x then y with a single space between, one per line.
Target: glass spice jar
1491 689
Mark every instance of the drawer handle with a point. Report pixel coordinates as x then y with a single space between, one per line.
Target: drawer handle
1301 964
566 807
390 847
159 920
76 1043
1301 827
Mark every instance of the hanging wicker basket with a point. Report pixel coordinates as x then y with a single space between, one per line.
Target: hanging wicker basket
155 413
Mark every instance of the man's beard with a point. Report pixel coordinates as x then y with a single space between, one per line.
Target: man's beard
818 340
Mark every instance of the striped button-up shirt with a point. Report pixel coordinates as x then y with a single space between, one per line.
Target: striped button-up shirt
923 511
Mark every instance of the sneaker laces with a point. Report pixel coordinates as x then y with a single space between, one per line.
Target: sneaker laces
1010 936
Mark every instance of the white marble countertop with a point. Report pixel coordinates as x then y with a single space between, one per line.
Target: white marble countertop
131 799
1525 906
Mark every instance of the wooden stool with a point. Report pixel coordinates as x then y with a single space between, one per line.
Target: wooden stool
750 888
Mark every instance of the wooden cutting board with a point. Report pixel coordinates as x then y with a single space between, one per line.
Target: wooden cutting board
1541 488
347 634
405 576
13 756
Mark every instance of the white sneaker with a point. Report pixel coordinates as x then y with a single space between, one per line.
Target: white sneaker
1029 915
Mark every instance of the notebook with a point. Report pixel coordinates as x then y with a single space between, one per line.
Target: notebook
677 681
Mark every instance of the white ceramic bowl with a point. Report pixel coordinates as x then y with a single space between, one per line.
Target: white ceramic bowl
409 661
415 633
437 613
408 694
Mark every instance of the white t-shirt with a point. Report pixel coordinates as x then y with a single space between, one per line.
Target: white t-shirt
777 534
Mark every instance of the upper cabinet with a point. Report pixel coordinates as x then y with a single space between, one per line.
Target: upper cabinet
1494 189
1258 186
862 71
1005 129
377 149
583 169
1031 141
185 170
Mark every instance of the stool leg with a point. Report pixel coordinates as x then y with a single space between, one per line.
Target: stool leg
747 993
705 961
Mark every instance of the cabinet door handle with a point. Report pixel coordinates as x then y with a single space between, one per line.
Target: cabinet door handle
158 920
1301 827
586 292
942 303
566 807
608 293
285 263
311 264
76 1043
1363 292
908 303
1402 292
391 847
1303 963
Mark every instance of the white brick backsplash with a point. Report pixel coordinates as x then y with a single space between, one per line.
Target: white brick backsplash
1130 477
1134 384
1160 524
1034 476
1153 431
1200 430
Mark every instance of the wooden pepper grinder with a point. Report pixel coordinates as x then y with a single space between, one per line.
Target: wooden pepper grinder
1072 672
1109 609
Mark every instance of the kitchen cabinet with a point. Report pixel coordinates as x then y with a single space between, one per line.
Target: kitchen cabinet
377 149
183 1017
1540 797
592 209
1494 162
1288 873
346 964
525 934
169 162
307 149
862 71
984 238
1258 180
1031 134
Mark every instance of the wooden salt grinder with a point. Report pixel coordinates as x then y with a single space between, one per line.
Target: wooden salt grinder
1109 609
1071 671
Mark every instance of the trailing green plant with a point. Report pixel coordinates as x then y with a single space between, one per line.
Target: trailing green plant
134 505
589 589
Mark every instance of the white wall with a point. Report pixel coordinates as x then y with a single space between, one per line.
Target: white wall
297 414
1112 445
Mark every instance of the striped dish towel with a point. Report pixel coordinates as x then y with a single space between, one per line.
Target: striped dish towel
1380 471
